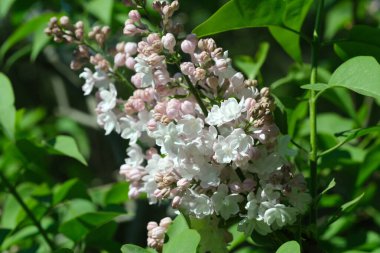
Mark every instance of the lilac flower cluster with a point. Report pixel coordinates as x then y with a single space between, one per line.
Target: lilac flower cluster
200 134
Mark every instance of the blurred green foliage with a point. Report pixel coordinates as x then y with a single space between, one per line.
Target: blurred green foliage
45 147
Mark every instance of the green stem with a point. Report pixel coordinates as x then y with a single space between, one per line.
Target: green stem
30 214
313 115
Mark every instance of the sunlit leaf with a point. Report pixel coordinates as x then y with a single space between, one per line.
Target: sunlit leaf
69 190
289 247
102 9
7 109
66 145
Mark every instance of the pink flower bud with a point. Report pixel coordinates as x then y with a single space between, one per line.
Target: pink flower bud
188 46
176 202
138 104
187 68
136 79
130 63
168 41
119 59
161 76
165 222
183 183
173 108
151 225
221 64
187 107
153 37
158 232
130 29
199 74
160 108
134 15
64 20
151 125
130 48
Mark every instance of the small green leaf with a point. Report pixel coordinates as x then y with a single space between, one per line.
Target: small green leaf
66 145
329 187
3 234
129 248
370 164
23 31
5 7
251 66
7 108
360 74
315 86
117 194
69 190
40 40
179 225
361 40
102 9
77 228
350 204
289 247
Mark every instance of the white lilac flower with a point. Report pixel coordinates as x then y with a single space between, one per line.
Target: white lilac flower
167 138
190 126
132 128
143 67
252 206
108 98
248 225
135 155
234 147
277 215
283 146
226 204
198 204
228 111
109 122
98 79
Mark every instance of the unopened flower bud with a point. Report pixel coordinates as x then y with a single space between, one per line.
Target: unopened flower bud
134 15
165 222
130 48
168 41
64 20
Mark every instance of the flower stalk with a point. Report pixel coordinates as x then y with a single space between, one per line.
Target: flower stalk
313 156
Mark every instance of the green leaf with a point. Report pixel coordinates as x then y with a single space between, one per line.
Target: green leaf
361 40
329 187
117 194
289 247
187 241
181 237
39 41
102 9
5 7
66 145
243 14
23 31
346 207
7 108
77 228
69 190
295 14
3 234
251 66
360 74
129 248
276 14
370 164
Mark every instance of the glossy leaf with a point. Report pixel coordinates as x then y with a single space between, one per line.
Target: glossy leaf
7 109
289 247
66 145
370 164
360 74
276 14
361 40
330 186
251 66
117 194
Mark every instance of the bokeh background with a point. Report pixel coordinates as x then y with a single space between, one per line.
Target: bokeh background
50 92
